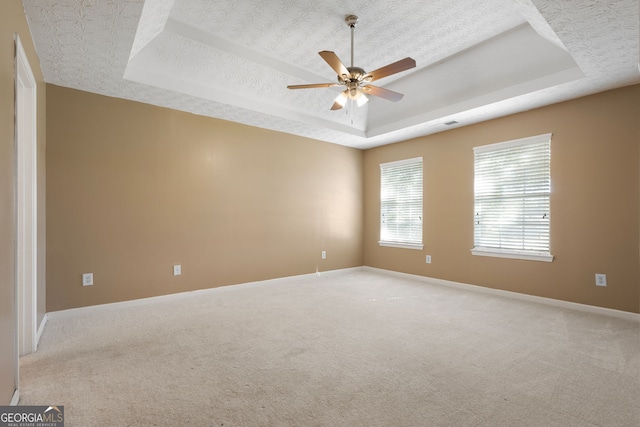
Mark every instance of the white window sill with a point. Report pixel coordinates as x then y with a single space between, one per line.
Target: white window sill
401 245
503 253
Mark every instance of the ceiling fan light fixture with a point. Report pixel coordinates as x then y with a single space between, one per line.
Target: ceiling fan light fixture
341 99
362 99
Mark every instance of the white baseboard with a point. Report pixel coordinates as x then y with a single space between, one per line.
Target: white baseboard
474 288
41 328
515 295
15 399
144 301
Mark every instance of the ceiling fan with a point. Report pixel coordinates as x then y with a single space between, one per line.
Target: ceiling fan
357 79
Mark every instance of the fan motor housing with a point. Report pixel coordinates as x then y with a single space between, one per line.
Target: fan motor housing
356 75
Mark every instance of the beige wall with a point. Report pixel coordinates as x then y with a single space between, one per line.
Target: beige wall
594 203
134 189
12 20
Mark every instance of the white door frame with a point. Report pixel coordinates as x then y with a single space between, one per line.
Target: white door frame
26 204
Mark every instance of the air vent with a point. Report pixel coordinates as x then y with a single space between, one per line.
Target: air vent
452 122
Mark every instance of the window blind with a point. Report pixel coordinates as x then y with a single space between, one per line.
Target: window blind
401 203
512 188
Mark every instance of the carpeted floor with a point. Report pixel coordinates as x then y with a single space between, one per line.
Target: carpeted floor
348 348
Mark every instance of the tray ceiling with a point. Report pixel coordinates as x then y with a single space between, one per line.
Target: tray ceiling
232 60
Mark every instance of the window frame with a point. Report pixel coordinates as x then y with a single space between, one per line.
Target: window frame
397 243
532 255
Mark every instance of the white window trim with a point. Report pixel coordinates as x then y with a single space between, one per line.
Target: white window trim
511 253
401 245
504 253
513 143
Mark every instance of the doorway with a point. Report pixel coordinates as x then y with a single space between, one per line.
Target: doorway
26 204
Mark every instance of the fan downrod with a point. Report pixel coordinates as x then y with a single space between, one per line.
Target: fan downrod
352 21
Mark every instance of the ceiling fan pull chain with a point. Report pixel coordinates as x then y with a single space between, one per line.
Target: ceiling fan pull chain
351 110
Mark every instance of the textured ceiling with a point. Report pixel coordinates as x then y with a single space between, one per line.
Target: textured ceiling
476 59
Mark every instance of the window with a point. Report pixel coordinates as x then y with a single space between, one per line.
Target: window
401 204
512 188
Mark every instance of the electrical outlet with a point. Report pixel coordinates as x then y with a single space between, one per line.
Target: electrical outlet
87 279
324 254
428 259
601 279
177 270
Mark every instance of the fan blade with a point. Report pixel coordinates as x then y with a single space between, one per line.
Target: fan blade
334 62
382 93
311 86
387 70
